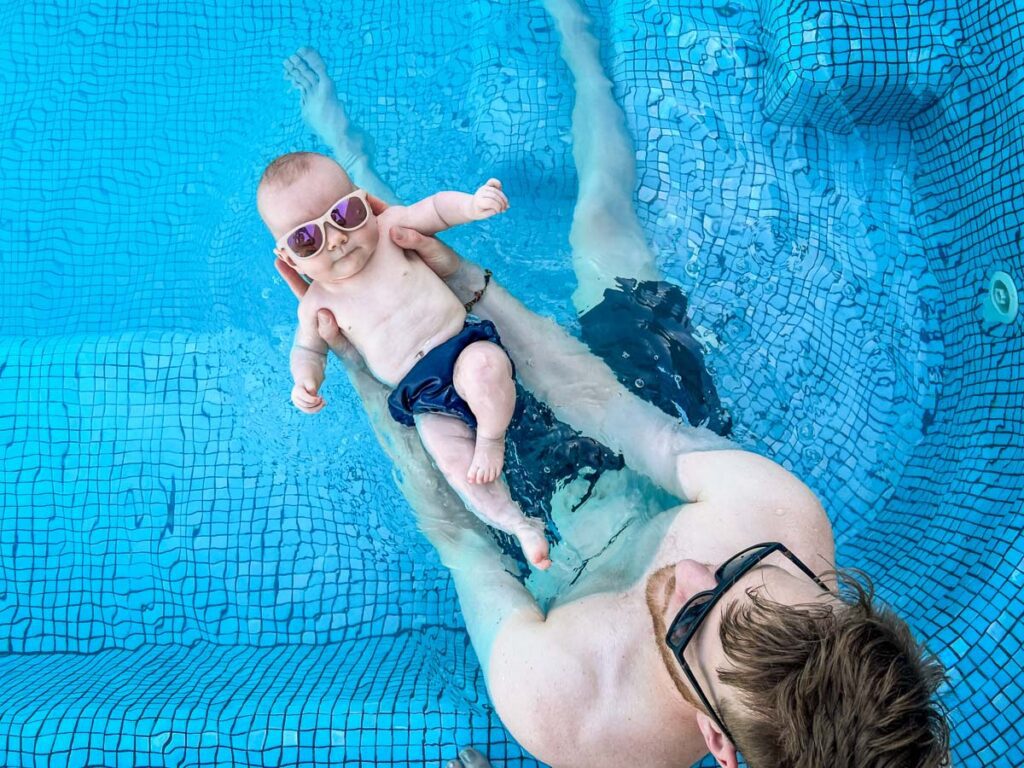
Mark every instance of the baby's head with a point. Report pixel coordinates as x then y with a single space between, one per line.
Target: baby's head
301 187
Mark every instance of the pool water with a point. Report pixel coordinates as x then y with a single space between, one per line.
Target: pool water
194 573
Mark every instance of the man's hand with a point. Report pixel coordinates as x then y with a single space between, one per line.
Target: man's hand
305 397
488 201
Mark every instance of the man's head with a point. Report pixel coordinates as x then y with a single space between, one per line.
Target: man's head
300 187
801 676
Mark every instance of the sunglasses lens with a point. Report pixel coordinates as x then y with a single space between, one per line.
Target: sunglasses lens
349 213
686 619
306 241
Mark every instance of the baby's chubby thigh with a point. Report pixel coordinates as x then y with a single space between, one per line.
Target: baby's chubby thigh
483 378
449 441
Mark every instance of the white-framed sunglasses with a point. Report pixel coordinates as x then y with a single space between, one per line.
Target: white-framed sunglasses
307 240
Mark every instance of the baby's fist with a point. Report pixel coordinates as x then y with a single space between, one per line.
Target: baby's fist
305 397
488 200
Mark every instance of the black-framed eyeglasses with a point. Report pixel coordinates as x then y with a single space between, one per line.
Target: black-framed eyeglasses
697 608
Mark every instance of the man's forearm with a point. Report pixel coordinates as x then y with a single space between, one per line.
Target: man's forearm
488 592
465 278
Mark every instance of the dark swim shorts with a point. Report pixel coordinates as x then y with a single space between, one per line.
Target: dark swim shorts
428 387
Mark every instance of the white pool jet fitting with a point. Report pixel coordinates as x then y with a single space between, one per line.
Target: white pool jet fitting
1000 304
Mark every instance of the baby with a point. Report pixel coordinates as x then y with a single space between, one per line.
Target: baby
451 377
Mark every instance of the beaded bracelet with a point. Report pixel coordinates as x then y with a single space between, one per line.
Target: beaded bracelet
478 294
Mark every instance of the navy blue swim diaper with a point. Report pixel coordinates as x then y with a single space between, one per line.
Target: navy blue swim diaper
428 387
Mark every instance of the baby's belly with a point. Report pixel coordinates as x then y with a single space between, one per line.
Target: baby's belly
391 354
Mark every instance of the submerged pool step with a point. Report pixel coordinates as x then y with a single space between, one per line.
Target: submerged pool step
213 705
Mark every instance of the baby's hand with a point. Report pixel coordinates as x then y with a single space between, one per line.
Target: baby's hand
305 397
488 200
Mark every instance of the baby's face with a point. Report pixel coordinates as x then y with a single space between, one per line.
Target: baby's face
284 207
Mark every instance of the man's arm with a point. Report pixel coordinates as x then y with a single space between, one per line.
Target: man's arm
584 392
489 594
689 462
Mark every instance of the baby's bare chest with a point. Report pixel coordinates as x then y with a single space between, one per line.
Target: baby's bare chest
392 291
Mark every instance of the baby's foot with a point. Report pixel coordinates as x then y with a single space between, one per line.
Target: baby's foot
533 542
321 108
488 459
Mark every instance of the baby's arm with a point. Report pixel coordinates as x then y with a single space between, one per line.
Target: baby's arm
447 209
308 361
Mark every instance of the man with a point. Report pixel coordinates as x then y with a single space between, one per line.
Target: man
767 658
725 632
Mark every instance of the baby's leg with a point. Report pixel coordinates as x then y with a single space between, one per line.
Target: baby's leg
483 378
450 442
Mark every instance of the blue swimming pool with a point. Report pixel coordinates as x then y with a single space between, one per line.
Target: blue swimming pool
194 573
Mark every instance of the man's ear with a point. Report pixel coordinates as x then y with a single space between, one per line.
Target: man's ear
723 750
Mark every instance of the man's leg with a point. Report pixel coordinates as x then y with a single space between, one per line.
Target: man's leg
483 378
606 237
561 371
451 443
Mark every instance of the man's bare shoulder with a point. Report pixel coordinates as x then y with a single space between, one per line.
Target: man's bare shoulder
754 498
544 677
704 474
561 687
744 481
